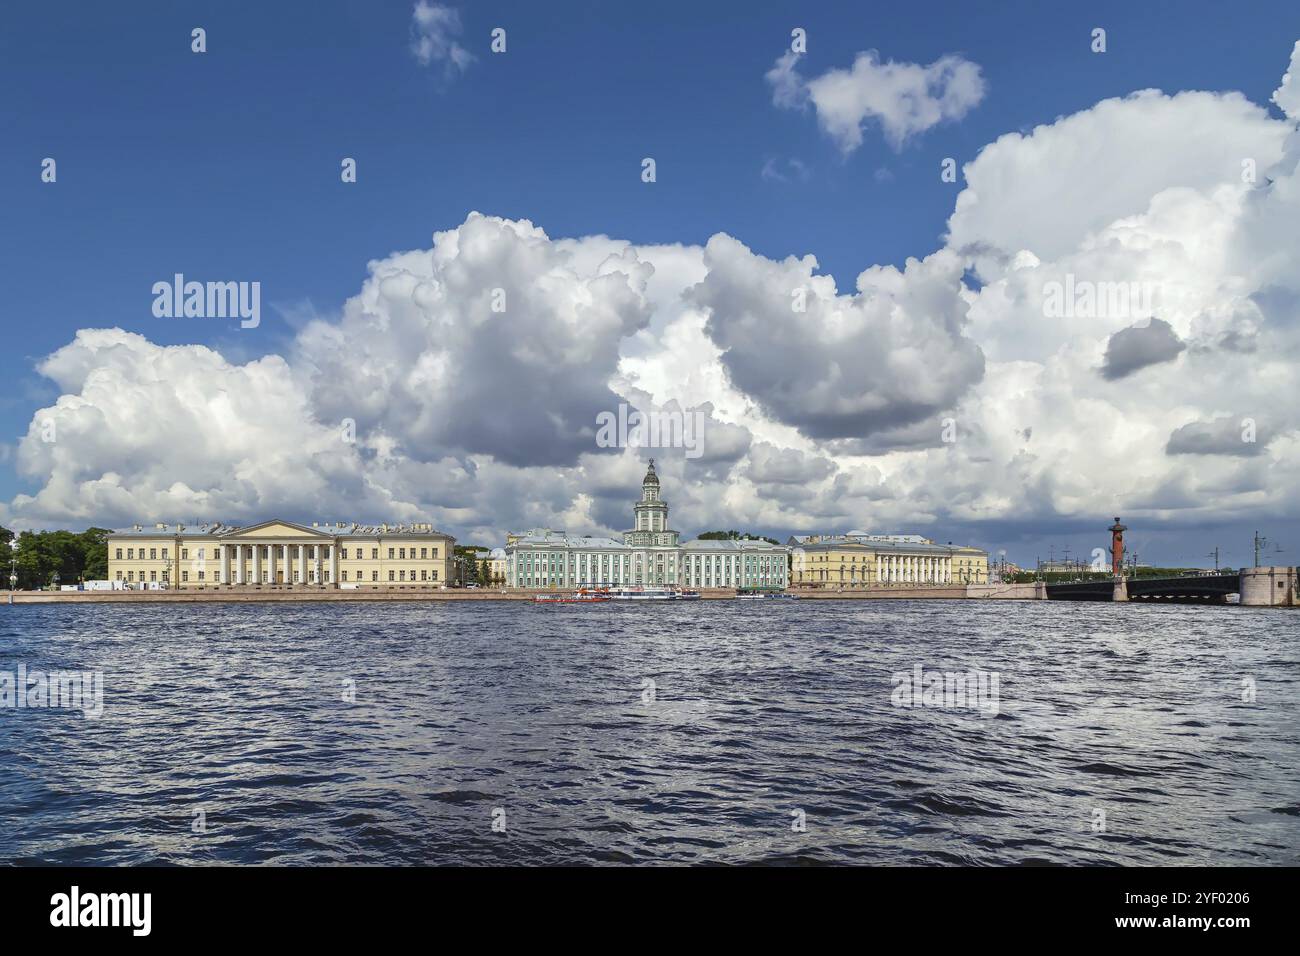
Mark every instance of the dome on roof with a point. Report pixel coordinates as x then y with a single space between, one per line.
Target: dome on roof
650 477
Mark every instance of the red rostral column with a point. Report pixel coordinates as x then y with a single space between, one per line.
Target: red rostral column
1116 547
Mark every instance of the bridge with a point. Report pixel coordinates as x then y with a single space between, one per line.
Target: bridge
1185 589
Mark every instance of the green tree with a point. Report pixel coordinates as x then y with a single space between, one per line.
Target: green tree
6 553
734 536
73 557
94 551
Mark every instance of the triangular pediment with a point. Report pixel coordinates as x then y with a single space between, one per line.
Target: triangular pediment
277 529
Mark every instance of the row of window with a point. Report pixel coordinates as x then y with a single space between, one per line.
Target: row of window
393 553
394 576
153 554
881 559
958 575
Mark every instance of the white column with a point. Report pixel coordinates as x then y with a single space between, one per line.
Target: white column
288 564
224 551
257 564
302 562
239 563
334 562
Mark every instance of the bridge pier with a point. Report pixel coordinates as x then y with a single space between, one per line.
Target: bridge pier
1121 589
1269 587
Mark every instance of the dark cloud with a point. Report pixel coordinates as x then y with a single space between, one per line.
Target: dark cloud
786 466
840 366
1222 436
1138 346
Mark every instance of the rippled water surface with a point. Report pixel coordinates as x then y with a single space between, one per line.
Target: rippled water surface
538 717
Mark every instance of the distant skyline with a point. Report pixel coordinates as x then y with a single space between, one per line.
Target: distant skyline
1097 313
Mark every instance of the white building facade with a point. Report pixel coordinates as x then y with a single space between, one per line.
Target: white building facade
649 554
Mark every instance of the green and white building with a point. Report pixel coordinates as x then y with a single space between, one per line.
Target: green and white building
649 554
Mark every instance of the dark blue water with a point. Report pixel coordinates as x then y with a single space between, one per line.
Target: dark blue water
536 715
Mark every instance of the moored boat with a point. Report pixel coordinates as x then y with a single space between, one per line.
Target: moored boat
652 593
581 596
640 593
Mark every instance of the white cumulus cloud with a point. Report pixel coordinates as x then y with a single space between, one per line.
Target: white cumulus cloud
905 99
435 32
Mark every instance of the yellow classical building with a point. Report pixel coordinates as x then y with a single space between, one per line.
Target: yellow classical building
858 559
281 553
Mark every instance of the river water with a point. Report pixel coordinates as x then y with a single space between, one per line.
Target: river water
710 732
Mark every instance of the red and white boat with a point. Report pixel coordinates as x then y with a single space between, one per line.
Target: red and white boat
580 596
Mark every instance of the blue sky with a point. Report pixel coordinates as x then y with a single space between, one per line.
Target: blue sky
227 164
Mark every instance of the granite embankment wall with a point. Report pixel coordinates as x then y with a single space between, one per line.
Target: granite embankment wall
281 595
1008 592
1005 592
